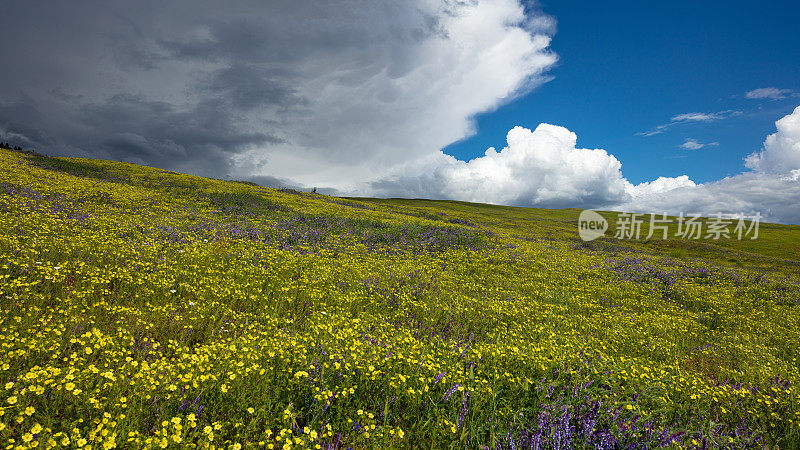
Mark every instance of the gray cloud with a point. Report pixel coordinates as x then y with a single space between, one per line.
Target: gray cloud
316 92
247 87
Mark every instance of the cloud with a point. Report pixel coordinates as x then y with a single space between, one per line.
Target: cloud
546 168
659 186
692 117
770 93
543 168
700 117
309 92
694 144
781 151
774 197
773 189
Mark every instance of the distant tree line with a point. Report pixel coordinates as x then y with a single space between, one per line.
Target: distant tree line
8 146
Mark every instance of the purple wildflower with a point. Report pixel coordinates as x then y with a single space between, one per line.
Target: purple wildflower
450 392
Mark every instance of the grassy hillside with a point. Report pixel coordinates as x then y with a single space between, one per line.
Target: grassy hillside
144 308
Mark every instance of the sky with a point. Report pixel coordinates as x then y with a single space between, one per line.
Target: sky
635 106
626 67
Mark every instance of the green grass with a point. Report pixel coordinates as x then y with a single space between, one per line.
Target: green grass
145 308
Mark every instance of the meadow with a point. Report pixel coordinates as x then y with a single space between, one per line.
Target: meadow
148 309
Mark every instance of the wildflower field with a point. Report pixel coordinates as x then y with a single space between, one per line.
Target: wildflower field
143 308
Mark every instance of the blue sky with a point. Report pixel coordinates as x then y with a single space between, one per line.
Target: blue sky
626 67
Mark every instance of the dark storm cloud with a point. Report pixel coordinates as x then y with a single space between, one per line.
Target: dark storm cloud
316 92
106 79
181 86
287 32
159 133
209 123
131 128
18 119
247 87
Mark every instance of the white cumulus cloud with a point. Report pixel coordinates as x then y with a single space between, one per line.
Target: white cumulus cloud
544 167
659 186
781 152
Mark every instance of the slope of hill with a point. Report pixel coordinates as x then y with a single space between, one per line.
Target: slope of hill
145 308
